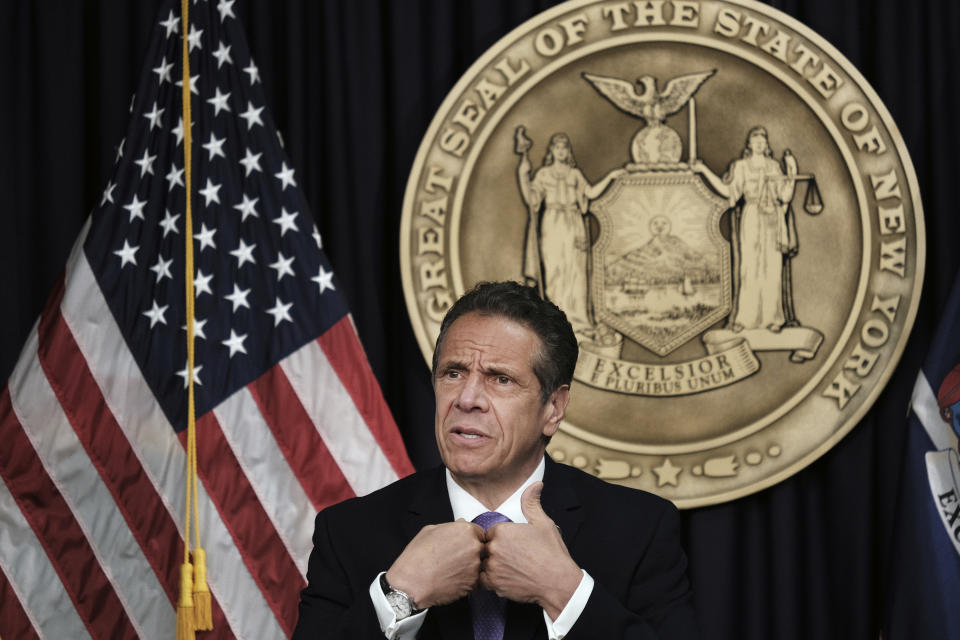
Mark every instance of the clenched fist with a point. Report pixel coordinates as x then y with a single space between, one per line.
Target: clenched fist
529 562
441 564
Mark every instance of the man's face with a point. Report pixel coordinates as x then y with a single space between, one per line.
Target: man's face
490 421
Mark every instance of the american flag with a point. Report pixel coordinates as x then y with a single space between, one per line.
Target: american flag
93 418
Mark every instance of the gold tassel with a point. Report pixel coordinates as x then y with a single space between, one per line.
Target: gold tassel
185 622
202 609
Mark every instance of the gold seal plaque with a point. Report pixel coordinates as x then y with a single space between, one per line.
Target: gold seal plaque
718 201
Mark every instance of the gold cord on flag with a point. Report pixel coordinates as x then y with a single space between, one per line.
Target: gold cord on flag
194 607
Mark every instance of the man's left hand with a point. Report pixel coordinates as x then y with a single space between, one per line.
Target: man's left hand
529 562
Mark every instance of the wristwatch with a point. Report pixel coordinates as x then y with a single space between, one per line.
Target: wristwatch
402 604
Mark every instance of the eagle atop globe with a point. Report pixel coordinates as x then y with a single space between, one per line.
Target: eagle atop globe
656 143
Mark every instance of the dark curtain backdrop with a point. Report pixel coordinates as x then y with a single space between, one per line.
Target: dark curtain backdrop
353 85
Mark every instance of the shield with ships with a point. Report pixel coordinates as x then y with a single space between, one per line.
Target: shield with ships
661 268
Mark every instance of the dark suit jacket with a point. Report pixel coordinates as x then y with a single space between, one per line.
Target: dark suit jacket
627 540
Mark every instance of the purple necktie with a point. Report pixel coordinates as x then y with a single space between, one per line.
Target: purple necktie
487 607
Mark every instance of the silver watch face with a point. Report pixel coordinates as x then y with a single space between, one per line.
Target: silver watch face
400 602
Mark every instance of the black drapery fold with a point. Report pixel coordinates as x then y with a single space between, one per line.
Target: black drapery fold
353 85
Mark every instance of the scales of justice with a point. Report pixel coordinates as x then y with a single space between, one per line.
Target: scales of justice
640 253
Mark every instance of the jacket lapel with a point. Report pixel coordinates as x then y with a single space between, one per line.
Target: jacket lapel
561 502
428 503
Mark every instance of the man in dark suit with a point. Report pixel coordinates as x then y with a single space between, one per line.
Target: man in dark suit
500 542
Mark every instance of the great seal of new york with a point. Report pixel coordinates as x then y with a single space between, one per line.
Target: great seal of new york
718 201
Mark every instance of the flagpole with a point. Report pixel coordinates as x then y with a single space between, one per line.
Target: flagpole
186 607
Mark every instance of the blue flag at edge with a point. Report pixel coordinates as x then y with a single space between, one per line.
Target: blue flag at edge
924 568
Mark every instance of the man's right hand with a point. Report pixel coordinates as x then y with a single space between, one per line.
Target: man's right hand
441 564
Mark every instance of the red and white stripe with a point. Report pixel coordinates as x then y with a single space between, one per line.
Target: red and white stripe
92 479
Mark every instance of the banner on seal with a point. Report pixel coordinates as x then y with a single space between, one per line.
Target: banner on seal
802 342
731 358
675 379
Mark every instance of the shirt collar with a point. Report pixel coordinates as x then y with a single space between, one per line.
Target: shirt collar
467 507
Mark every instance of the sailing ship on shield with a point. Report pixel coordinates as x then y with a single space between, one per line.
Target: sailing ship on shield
659 271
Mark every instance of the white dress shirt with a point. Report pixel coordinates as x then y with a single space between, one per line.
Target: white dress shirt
467 507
